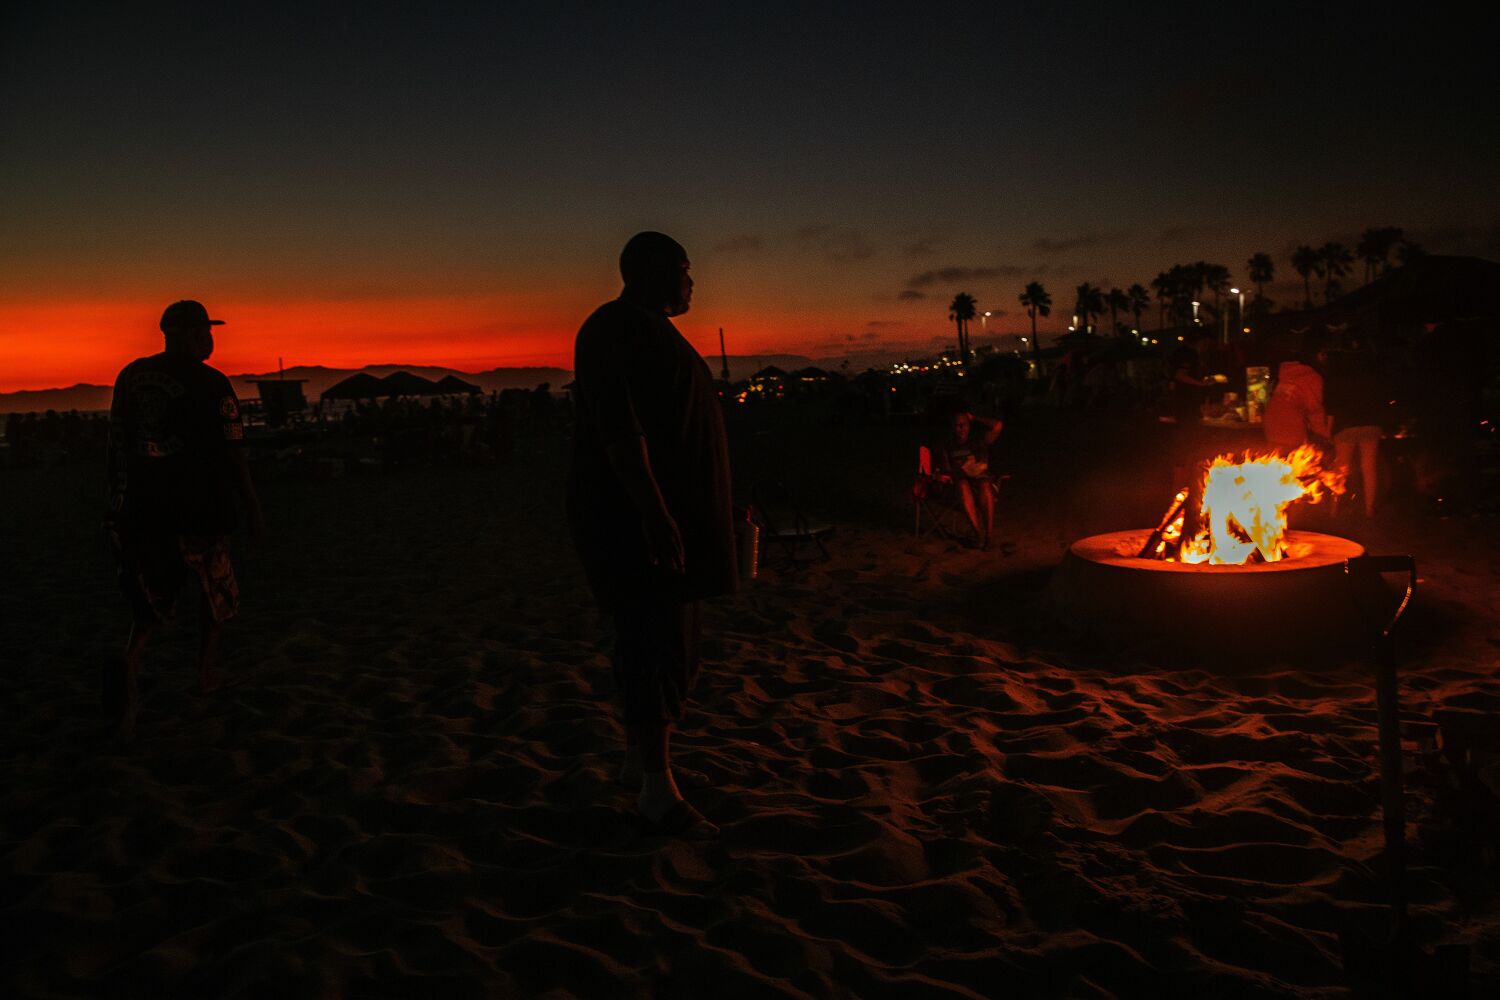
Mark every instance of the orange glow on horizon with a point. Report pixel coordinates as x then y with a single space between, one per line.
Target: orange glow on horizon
53 344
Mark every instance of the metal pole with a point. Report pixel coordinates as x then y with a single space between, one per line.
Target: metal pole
1392 790
1388 721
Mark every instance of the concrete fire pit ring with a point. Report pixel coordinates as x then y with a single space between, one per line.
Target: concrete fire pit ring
1306 601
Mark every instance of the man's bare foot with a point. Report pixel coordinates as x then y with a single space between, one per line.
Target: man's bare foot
630 773
664 809
681 820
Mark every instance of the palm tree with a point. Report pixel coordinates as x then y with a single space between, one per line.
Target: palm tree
1216 278
1037 303
1336 263
960 312
1162 286
1375 246
1306 261
1185 286
1262 269
1408 252
1118 302
1140 301
1197 273
1090 302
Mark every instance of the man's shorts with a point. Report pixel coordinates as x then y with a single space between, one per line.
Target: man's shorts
1361 434
656 657
155 567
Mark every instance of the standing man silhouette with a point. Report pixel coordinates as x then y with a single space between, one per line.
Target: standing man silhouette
650 505
176 461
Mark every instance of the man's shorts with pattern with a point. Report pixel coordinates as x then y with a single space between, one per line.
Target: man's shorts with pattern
155 567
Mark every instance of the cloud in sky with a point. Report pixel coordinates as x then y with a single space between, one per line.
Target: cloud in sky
949 275
1046 245
1180 234
910 295
840 244
879 324
921 248
743 243
848 246
850 342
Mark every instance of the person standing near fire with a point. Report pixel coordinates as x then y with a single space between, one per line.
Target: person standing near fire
649 504
176 462
1294 413
1356 398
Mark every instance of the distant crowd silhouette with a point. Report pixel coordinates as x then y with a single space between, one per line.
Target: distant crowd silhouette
477 427
49 437
394 430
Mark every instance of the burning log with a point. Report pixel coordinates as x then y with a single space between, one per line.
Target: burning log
1155 547
1241 516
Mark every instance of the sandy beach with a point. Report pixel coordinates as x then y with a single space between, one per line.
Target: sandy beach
926 786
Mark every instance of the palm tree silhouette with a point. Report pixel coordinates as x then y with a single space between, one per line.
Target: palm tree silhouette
960 312
1216 279
1408 252
1090 302
1374 249
1306 261
1336 260
1262 269
1184 287
1117 301
1162 286
1140 301
1037 303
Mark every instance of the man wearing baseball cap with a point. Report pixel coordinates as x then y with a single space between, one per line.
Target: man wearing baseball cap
176 463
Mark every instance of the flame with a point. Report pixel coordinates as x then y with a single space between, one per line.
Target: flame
1244 505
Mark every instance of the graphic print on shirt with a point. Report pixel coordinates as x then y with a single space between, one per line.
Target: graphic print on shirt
155 396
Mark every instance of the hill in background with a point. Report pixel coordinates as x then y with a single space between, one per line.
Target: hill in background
87 397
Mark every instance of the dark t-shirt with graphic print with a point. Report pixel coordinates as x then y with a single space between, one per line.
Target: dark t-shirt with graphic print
170 425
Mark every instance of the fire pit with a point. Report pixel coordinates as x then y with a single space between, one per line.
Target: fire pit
1221 573
1104 587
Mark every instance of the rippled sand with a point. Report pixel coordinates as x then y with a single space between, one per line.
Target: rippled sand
925 788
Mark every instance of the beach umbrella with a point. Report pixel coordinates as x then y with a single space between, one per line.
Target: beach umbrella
361 385
453 385
407 384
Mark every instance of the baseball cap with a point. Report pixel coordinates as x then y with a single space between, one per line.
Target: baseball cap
185 315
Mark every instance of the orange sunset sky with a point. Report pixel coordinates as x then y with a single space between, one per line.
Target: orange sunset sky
431 184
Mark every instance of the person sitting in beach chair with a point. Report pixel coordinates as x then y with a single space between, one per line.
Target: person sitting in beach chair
961 463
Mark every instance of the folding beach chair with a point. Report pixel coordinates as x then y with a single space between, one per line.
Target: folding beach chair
934 498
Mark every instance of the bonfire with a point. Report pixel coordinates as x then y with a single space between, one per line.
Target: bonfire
1242 511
